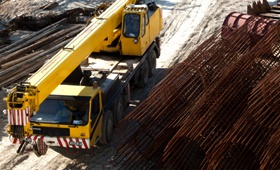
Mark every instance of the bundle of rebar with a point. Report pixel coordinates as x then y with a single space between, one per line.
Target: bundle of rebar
255 137
188 119
25 56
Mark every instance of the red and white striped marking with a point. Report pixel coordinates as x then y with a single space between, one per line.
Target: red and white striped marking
16 140
60 141
19 117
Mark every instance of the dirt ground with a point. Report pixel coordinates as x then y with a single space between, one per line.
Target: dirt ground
187 23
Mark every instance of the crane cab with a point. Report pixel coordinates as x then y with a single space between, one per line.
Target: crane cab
137 33
139 27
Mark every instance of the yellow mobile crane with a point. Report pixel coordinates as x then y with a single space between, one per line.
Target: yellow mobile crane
76 98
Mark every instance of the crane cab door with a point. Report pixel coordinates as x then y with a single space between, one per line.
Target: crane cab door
95 118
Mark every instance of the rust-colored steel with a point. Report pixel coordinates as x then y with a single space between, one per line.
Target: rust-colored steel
219 109
255 137
256 26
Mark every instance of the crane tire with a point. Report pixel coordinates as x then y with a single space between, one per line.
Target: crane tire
118 110
107 128
135 78
152 63
144 75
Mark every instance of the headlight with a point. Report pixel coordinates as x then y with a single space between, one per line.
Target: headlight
135 41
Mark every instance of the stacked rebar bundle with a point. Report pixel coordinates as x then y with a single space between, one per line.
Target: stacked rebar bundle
186 121
21 58
53 30
254 140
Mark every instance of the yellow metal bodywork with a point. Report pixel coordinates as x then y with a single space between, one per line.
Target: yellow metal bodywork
96 37
48 77
149 30
101 31
72 90
85 130
22 103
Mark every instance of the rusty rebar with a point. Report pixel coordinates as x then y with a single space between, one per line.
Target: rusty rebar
202 110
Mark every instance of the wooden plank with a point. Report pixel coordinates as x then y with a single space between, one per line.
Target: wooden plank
102 65
275 7
271 15
275 11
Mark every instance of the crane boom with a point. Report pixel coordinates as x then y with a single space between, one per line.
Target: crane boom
66 60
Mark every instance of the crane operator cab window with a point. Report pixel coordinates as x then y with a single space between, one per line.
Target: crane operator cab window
131 25
79 110
64 111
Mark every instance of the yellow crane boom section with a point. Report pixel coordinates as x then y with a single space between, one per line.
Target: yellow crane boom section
49 76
